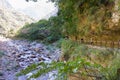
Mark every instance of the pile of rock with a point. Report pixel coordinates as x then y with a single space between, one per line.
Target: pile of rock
26 53
23 53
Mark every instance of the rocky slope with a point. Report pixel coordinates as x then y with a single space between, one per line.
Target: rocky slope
21 53
10 19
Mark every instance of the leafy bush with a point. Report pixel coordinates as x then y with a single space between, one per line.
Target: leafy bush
34 31
44 30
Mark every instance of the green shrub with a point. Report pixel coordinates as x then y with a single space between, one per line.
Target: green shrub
43 30
34 31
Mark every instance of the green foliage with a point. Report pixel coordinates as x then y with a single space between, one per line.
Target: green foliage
34 31
112 71
1 53
44 30
71 51
55 29
80 15
85 17
63 68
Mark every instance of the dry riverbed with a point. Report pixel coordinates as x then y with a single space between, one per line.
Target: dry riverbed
18 54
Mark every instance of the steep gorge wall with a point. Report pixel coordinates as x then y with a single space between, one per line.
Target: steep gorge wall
104 23
10 19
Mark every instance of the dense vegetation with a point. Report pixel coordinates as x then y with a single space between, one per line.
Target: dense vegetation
80 19
88 18
44 30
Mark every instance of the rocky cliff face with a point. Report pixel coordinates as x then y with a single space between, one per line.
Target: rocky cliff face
10 19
